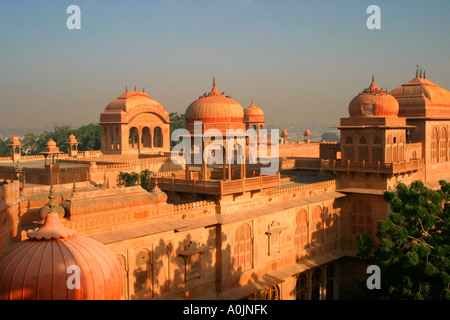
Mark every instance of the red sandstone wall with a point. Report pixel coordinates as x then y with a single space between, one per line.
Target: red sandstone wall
299 149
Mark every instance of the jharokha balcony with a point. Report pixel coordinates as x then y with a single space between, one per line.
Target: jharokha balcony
217 187
372 167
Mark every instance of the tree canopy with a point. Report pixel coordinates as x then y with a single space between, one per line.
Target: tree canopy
412 247
33 143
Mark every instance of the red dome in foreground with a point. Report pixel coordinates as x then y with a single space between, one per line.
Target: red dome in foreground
373 102
38 268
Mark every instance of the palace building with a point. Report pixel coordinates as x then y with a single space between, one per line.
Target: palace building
214 230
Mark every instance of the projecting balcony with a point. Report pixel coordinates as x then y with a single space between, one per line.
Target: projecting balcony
218 187
372 167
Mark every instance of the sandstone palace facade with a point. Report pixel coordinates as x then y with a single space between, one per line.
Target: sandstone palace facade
214 231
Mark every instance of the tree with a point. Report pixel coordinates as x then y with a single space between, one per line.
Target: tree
413 245
5 150
330 137
178 122
88 137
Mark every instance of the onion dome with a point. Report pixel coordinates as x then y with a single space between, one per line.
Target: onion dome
373 102
214 107
56 264
307 132
51 146
422 98
160 196
72 139
253 114
15 141
284 133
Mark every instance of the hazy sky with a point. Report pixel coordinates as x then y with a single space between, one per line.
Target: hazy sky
299 60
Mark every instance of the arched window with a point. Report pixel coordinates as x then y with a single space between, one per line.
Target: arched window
158 138
301 229
331 273
146 138
243 248
377 140
301 287
133 138
123 264
142 275
111 132
316 284
317 233
272 293
362 140
360 218
434 145
443 145
118 139
348 140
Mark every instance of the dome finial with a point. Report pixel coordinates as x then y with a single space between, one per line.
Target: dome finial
51 197
417 71
420 74
214 82
373 78
424 75
126 88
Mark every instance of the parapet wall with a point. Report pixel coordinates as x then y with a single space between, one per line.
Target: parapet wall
299 149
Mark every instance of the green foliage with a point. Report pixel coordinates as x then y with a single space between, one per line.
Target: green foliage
178 122
413 245
5 150
126 179
88 137
330 137
33 143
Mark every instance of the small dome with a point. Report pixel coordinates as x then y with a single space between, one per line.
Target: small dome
38 268
15 141
72 139
51 143
284 133
253 114
307 132
214 107
373 102
160 196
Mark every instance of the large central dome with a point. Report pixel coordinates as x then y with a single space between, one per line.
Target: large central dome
216 108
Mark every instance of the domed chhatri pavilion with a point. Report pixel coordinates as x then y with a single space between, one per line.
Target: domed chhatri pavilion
214 231
134 123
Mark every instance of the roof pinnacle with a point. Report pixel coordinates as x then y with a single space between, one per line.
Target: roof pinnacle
214 82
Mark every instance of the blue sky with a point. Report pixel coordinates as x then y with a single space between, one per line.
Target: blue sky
299 60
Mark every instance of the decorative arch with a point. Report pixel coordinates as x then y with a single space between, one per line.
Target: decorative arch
133 140
158 137
316 284
435 145
301 287
146 138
